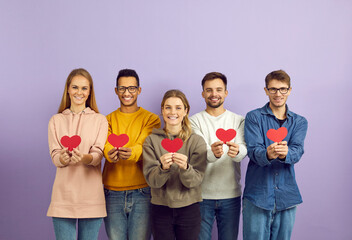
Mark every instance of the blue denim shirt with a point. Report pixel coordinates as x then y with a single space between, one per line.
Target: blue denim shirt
272 184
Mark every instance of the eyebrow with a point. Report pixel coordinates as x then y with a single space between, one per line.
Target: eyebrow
167 105
215 88
74 85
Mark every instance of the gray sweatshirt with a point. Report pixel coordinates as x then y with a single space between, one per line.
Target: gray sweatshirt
174 187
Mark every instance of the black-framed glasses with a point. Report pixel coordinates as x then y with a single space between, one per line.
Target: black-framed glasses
131 89
281 90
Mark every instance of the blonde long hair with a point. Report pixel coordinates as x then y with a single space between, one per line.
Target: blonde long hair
66 101
186 130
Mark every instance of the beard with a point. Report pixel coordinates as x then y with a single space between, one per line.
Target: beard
215 105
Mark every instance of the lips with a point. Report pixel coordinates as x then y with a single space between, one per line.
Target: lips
127 98
214 99
172 117
78 98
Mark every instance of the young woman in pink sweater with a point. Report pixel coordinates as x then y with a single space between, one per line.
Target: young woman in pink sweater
77 194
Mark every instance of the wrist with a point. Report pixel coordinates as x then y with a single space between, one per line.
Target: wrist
87 158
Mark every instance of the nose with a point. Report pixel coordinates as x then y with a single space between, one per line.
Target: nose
278 93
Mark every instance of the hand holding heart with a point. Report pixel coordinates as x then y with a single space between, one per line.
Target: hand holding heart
277 150
169 158
64 157
234 149
166 161
217 149
119 152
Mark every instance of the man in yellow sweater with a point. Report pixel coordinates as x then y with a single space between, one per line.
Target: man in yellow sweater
126 191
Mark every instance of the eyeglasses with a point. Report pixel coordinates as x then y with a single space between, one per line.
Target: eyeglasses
131 89
281 90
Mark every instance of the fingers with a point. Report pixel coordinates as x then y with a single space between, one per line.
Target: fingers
113 154
281 150
233 149
76 156
166 160
181 160
124 153
64 156
271 151
217 149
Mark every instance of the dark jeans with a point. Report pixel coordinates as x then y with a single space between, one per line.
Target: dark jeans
180 223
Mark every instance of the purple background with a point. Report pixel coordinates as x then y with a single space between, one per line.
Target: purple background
172 44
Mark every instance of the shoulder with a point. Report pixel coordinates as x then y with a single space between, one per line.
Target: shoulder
253 114
197 115
100 117
233 115
148 116
112 113
57 118
147 113
298 118
197 139
196 118
156 135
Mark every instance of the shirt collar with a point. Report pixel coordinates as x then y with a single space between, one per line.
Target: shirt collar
267 110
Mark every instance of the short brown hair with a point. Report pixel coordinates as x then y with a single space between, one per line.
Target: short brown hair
66 101
279 75
214 75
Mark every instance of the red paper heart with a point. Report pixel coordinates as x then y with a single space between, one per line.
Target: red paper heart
277 135
118 140
70 142
172 145
226 135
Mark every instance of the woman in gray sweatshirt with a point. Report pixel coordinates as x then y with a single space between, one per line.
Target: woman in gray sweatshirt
175 177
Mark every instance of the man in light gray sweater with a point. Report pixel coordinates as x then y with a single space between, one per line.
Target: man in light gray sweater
221 189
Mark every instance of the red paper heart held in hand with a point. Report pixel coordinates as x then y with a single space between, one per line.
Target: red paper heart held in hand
226 135
277 135
70 142
172 145
118 140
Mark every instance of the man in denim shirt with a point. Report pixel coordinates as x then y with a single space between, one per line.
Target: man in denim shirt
271 193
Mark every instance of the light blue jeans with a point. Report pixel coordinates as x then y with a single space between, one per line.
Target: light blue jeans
128 214
261 224
227 214
88 228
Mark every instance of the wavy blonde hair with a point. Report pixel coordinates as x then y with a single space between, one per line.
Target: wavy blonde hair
66 101
186 130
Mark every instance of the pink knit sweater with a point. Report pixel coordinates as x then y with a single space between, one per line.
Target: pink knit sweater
78 190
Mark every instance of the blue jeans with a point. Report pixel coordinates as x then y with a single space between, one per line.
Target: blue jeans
227 214
261 224
88 228
128 214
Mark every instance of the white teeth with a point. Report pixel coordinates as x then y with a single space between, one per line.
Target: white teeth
127 99
172 118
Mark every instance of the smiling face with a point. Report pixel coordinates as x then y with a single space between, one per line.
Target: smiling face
127 99
173 112
79 91
214 93
277 100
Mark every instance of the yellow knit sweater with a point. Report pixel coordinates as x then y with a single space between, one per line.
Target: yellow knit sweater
128 174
